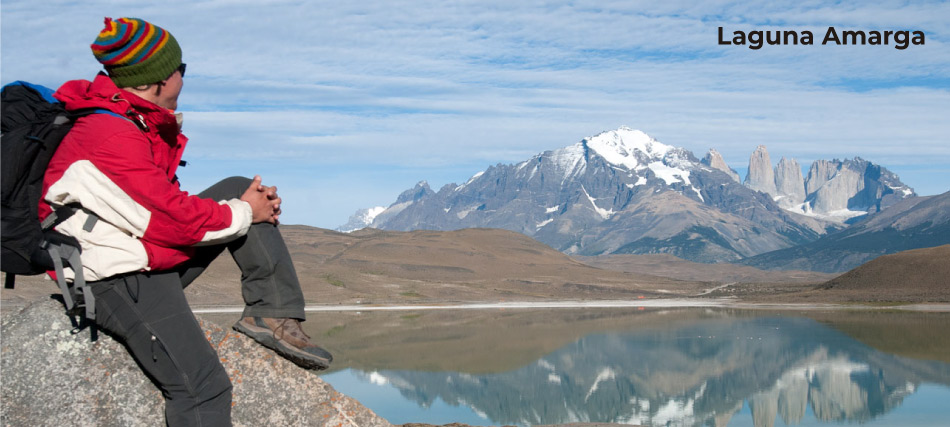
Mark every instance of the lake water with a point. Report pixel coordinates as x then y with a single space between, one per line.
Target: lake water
649 366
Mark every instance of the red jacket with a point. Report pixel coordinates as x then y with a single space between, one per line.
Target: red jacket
125 175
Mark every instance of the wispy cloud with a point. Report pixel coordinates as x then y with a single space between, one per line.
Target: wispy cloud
351 102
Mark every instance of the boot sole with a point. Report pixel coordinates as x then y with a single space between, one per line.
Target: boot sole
266 338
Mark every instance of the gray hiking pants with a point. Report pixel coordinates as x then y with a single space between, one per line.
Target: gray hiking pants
149 313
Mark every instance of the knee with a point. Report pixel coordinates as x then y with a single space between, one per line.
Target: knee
207 378
214 383
210 405
237 183
227 188
214 395
219 383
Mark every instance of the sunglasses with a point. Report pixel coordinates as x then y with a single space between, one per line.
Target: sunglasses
181 69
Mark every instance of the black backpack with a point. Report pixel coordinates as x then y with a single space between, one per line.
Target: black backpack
33 125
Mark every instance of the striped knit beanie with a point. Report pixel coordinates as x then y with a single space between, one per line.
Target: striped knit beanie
135 52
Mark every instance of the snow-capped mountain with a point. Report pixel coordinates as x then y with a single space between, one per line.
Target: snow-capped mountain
623 191
367 217
361 219
620 191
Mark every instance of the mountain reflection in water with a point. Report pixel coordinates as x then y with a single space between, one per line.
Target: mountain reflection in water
699 368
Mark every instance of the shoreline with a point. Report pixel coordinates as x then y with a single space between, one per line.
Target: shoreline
575 304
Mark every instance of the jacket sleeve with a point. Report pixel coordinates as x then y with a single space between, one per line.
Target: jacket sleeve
121 182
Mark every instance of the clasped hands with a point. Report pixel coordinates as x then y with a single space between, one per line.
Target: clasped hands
264 201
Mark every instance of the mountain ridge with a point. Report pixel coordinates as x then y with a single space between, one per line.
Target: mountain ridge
914 223
593 197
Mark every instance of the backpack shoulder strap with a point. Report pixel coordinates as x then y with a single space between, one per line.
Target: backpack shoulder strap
138 122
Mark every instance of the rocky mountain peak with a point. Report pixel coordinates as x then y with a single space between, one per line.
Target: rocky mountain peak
419 191
789 183
370 217
761 177
600 195
361 219
627 147
835 190
820 172
714 160
851 188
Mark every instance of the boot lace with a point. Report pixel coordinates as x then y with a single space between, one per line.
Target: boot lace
291 327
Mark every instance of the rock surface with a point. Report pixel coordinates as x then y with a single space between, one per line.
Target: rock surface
789 182
761 177
820 172
834 190
54 378
714 160
855 185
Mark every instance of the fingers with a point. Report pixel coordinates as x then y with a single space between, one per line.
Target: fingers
255 184
267 200
273 209
271 192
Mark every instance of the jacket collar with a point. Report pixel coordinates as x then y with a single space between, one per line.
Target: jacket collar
103 93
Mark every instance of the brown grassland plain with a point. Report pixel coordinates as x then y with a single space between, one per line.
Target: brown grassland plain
491 265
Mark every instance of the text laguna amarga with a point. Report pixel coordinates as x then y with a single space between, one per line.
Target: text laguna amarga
756 39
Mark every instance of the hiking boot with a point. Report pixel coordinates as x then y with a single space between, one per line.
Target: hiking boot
286 338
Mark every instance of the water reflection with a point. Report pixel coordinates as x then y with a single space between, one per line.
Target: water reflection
688 368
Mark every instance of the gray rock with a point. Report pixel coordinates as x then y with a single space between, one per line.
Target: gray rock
855 185
834 190
789 183
834 194
420 192
821 171
54 378
714 160
761 177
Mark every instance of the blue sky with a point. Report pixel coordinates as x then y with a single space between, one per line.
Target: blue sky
343 105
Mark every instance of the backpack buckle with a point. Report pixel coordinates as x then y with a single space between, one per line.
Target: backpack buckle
139 119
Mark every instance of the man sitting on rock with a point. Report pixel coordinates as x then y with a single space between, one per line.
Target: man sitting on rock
143 239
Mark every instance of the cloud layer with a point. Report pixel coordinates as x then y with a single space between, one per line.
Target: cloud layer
345 105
